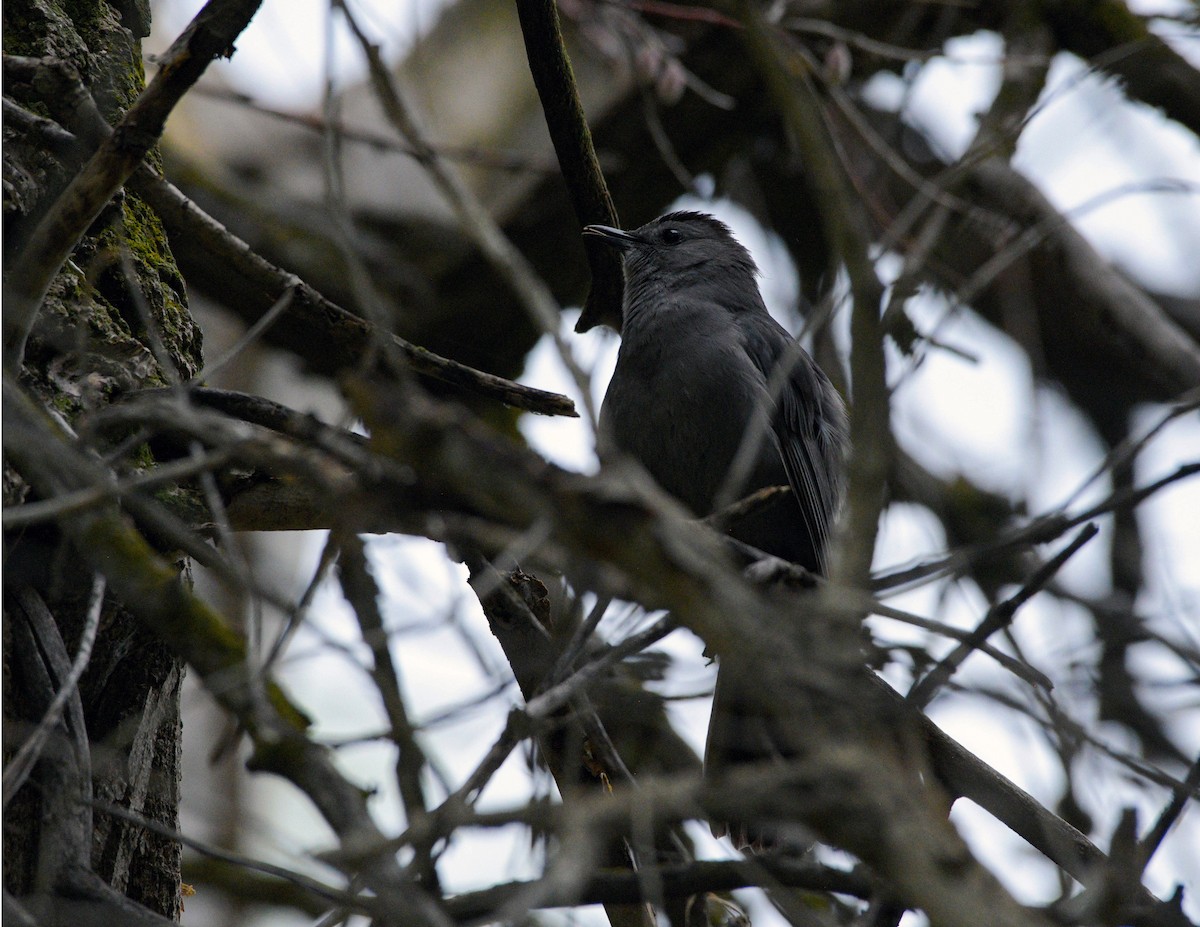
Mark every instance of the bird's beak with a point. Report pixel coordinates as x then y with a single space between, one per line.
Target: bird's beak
614 238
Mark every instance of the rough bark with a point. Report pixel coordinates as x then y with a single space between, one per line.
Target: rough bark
91 344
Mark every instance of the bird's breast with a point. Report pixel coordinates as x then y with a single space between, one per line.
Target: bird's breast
680 402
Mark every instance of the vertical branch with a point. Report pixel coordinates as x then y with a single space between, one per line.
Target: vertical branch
555 82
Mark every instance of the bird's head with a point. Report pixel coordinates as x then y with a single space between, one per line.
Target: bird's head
677 246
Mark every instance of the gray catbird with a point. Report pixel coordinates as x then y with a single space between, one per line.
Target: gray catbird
699 355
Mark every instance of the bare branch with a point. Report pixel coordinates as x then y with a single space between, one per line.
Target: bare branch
312 319
509 263
299 315
1038 531
999 616
679 881
363 594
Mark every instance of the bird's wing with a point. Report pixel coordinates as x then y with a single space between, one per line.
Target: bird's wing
810 424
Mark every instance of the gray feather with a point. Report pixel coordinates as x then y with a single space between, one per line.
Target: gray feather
698 350
699 354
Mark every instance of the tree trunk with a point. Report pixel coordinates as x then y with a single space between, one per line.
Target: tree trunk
115 314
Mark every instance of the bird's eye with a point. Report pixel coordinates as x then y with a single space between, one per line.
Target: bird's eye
671 236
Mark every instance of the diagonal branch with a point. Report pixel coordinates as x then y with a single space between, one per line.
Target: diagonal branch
997 618
297 316
210 35
19 767
311 318
790 82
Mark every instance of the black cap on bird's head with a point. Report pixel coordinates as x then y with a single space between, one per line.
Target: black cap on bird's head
679 241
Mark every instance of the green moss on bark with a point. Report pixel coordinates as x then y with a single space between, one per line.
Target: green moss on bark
91 343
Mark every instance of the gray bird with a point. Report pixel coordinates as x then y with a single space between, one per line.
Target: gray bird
698 354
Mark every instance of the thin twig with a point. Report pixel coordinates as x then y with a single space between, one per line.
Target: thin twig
545 704
343 335
580 638
1064 725
329 554
1039 531
356 902
1021 670
1054 223
1132 445
367 299
492 158
1149 844
747 505
998 616
996 136
251 335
